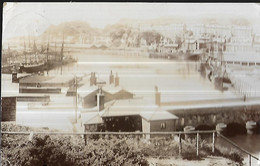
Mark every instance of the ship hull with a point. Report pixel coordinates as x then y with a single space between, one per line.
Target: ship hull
33 68
164 55
7 69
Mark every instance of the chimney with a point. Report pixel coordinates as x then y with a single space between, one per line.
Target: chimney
111 78
93 79
14 78
117 80
100 100
157 96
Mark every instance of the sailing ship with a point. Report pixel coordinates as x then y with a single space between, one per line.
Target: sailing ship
34 67
51 61
8 65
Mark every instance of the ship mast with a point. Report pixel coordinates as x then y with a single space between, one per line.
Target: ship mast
62 47
55 51
9 54
61 54
47 56
30 50
25 59
35 50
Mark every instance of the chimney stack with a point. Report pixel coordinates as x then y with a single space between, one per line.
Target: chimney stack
14 77
117 80
93 79
100 100
111 78
157 96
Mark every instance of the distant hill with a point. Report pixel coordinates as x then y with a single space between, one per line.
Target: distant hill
73 29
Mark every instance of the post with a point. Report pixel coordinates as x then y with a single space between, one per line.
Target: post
249 158
76 99
213 142
31 136
197 144
85 139
180 146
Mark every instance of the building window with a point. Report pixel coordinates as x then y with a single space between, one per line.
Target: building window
163 125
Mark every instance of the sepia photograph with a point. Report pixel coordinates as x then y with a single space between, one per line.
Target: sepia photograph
130 84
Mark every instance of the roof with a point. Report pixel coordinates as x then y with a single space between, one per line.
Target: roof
112 88
86 89
242 57
157 114
127 107
136 107
91 118
46 79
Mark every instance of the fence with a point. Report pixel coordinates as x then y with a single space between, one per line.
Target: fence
180 134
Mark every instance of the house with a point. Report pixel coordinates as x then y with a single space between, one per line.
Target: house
242 31
137 115
157 120
190 45
111 91
92 122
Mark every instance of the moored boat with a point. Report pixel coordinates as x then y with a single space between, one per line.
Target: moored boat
33 68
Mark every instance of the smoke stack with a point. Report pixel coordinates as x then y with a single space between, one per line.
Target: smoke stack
117 80
157 96
111 78
100 100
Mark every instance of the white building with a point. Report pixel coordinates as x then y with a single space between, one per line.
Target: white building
242 31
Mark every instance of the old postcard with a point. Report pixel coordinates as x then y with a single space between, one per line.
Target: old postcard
130 84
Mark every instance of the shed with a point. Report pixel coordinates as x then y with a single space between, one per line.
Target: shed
158 119
91 121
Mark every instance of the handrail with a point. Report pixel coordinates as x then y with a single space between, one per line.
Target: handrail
234 144
109 133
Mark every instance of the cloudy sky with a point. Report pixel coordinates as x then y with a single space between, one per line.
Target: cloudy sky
25 18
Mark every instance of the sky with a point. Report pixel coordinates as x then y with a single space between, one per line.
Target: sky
34 18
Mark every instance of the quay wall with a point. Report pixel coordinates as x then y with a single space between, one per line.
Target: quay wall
211 116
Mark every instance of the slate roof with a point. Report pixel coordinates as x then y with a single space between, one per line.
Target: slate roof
136 107
91 118
157 114
46 79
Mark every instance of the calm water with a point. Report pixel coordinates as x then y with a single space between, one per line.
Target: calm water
176 80
251 143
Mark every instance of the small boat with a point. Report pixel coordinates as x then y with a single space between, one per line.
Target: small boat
195 56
